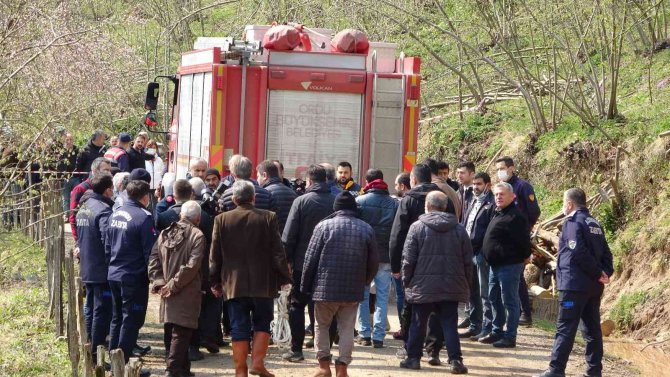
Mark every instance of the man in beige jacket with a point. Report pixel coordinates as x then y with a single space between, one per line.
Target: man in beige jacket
174 269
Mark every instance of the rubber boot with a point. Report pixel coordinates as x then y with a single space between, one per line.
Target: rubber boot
324 368
240 351
341 370
258 352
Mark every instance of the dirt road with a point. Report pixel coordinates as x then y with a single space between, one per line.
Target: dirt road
530 357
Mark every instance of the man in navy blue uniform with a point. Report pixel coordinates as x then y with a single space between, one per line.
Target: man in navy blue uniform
92 221
584 266
131 236
527 204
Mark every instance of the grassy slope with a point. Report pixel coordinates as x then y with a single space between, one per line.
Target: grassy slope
28 345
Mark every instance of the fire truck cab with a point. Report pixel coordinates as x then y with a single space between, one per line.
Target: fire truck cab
298 107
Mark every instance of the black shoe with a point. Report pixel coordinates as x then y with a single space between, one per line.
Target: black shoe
222 343
410 363
457 367
309 343
209 346
467 334
505 343
139 351
464 324
482 334
377 344
188 374
194 354
293 357
550 373
363 341
525 320
490 338
145 373
434 361
591 375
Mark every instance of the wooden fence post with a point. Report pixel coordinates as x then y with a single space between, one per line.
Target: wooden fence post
72 333
100 367
87 365
133 368
118 362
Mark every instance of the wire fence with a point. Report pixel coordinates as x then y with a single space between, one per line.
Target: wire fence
36 210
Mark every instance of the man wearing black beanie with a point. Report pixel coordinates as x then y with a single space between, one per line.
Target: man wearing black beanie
341 260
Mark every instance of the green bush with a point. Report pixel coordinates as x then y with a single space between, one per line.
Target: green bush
623 310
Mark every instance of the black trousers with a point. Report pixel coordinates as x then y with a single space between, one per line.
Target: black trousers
435 334
578 310
296 315
100 297
177 339
129 302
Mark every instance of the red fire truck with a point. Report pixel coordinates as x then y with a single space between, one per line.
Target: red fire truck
299 107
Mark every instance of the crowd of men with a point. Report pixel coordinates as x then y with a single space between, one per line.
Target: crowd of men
217 250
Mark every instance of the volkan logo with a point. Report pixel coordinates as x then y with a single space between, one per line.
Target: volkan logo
306 84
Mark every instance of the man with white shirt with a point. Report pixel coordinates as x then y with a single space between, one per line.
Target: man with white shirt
465 172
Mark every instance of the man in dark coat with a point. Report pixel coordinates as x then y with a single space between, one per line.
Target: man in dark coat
174 269
248 267
267 175
136 156
584 266
240 168
465 173
506 248
306 211
92 222
131 235
340 261
476 222
527 204
436 274
345 179
412 205
94 149
378 209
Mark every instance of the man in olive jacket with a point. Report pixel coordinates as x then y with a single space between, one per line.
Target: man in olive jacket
174 269
247 265
436 274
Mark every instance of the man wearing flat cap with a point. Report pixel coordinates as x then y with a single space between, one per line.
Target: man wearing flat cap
340 262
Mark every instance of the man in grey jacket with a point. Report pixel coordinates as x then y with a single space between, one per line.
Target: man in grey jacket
436 274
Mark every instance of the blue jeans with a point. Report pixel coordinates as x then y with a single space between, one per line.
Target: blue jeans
483 273
383 285
504 283
399 295
247 314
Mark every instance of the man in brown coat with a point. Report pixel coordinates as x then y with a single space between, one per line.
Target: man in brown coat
174 269
248 266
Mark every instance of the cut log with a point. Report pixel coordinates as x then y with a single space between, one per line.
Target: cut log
540 292
664 134
543 252
548 236
531 274
607 327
